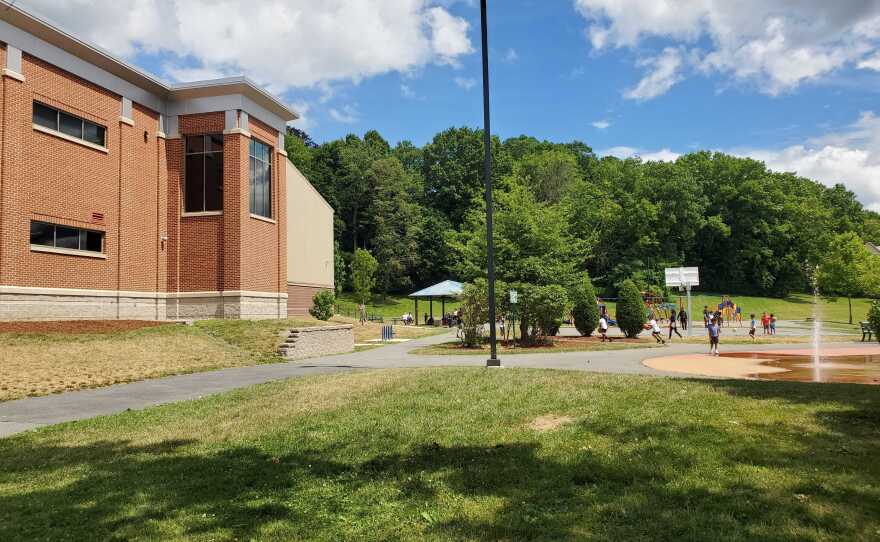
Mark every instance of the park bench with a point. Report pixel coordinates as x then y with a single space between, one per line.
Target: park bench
374 318
866 331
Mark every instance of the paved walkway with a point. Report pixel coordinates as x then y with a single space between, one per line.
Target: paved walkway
23 414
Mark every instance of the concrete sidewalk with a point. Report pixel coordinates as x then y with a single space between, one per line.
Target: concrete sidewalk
23 414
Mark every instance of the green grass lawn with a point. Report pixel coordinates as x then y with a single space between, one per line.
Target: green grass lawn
460 454
393 306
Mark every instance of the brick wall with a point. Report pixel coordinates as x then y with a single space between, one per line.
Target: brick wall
132 193
59 181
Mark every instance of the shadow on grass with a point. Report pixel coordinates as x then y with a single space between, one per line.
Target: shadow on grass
669 480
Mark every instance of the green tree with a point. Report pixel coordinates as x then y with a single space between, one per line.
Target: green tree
549 174
541 309
874 318
630 309
340 277
396 224
585 308
841 270
532 242
453 171
363 274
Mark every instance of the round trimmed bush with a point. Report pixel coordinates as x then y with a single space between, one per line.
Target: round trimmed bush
630 309
322 305
585 309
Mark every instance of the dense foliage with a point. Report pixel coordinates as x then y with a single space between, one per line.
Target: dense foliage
363 274
541 310
474 312
584 309
561 210
874 318
630 310
322 305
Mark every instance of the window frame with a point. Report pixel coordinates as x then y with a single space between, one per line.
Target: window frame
57 131
81 236
253 157
204 152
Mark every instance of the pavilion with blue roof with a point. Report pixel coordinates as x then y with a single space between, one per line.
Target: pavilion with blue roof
448 289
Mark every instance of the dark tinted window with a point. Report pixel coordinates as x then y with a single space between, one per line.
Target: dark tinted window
53 235
66 237
71 126
214 181
195 182
203 186
42 234
91 240
45 116
93 133
261 178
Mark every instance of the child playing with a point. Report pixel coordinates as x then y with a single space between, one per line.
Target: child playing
655 331
772 324
714 333
603 329
753 327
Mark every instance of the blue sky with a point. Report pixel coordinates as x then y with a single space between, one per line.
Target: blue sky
795 86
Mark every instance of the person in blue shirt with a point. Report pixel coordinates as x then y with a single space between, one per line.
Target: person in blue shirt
714 335
753 327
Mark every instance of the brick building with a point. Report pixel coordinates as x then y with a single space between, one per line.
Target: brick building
122 196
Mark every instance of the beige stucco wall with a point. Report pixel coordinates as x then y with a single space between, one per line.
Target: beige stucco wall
309 233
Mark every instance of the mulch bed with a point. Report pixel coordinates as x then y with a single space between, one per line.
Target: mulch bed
76 326
565 341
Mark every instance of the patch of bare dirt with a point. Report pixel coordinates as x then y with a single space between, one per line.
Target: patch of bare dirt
549 422
76 326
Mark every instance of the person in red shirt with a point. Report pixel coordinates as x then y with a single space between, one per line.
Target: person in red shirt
765 322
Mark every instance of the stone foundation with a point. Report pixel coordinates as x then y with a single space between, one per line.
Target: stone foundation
21 303
308 342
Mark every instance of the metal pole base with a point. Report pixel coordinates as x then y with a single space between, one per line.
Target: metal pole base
493 362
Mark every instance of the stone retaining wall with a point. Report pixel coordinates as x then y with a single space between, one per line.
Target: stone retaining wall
307 342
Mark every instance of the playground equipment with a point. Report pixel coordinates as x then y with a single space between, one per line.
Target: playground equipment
684 278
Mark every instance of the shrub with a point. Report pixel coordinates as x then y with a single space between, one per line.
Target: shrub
474 312
541 310
322 305
874 318
585 309
630 309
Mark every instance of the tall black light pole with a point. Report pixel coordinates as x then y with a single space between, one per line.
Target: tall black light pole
493 360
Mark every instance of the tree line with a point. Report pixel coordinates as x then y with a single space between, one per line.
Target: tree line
562 212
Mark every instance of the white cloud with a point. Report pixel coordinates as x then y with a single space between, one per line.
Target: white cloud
870 63
624 152
850 157
305 121
449 37
281 43
347 114
776 44
663 72
466 83
600 124
407 92
511 56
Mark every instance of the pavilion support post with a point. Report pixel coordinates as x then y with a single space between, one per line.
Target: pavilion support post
417 310
431 308
442 308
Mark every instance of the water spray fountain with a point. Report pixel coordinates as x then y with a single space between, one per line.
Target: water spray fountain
817 325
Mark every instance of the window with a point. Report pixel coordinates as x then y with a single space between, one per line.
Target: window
203 181
67 237
67 124
261 178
